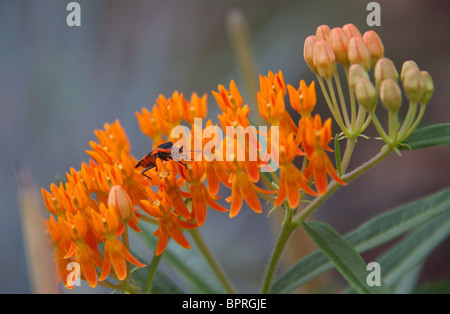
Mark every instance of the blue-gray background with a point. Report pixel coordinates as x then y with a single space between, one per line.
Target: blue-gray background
59 83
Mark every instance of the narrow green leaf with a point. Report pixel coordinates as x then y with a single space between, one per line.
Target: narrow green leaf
436 134
344 257
189 265
438 287
161 282
376 231
413 250
409 253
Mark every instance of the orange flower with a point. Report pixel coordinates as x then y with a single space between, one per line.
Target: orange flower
200 195
195 108
271 101
231 99
80 202
318 137
166 179
292 180
271 97
82 246
108 227
169 223
243 186
304 99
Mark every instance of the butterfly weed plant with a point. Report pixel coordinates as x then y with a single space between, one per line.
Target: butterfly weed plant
291 166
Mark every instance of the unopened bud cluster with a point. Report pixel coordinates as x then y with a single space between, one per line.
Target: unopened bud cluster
344 45
359 54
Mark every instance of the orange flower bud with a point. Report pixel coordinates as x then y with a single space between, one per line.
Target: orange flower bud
324 59
122 202
390 95
374 44
358 52
308 52
385 69
351 30
338 41
323 32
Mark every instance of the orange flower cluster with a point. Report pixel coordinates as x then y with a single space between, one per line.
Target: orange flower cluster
92 211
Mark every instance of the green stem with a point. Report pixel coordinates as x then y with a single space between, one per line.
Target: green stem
348 153
418 119
151 273
379 128
341 99
211 260
333 186
126 242
288 227
407 123
336 114
334 100
352 99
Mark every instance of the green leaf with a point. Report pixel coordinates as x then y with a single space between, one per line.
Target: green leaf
376 231
438 287
161 282
436 134
413 250
188 264
409 253
344 257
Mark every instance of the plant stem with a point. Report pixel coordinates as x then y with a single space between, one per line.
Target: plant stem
126 242
348 153
341 99
211 260
333 186
352 99
151 273
288 227
336 113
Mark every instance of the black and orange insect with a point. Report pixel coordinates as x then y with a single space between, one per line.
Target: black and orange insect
164 151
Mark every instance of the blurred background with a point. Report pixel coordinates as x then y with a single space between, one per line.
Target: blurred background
59 83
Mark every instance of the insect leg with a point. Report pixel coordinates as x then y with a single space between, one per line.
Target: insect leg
147 169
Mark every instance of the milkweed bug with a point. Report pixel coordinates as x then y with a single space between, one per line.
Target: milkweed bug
164 151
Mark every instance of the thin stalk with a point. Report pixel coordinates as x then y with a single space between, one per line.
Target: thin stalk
366 124
151 273
380 128
393 126
126 242
267 182
336 115
350 146
288 228
416 123
211 260
334 100
275 178
333 186
407 123
341 99
360 119
352 99
148 219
